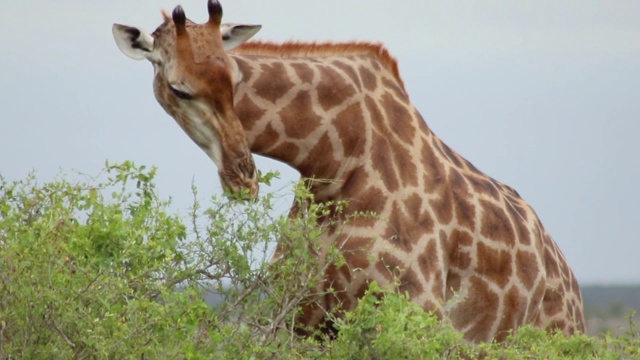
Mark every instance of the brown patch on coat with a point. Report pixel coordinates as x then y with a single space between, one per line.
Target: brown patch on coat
464 209
286 151
419 216
515 306
390 267
495 224
298 118
482 185
248 112
494 265
553 301
332 89
399 119
398 232
382 153
442 206
271 90
522 230
394 87
355 251
245 69
428 260
349 70
304 72
410 283
319 162
479 308
369 80
454 281
350 125
527 268
434 172
265 140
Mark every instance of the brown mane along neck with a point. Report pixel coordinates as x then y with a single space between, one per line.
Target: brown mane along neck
290 49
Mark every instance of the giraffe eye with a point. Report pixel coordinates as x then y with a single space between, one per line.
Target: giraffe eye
180 94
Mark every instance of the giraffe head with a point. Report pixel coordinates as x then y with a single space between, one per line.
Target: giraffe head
194 82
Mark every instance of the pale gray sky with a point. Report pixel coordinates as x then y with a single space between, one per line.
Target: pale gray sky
542 95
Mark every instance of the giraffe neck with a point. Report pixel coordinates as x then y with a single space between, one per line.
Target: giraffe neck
320 113
446 228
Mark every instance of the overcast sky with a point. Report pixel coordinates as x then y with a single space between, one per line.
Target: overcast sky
541 95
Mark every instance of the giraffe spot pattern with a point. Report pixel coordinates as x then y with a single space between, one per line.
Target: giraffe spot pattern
369 80
271 90
409 283
404 163
527 267
483 186
389 266
245 68
304 72
464 210
320 163
349 71
461 238
432 307
494 265
550 264
459 255
397 233
515 307
381 147
298 117
339 297
496 224
399 119
443 204
265 139
350 125
519 222
248 112
479 308
354 250
553 301
382 152
450 154
362 196
398 93
332 89
428 260
286 150
434 173
418 215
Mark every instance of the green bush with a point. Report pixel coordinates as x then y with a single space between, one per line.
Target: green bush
102 270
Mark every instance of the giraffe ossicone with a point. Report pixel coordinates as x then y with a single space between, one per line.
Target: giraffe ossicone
458 242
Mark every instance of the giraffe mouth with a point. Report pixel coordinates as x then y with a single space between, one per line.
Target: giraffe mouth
240 180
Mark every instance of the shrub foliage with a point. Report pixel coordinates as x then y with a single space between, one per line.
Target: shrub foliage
102 269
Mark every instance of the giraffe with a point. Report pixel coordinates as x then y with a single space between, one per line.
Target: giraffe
460 243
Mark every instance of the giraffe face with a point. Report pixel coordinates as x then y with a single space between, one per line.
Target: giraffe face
194 82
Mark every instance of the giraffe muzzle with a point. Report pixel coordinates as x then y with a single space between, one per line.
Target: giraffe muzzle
240 179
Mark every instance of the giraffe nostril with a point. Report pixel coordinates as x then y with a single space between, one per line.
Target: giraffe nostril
246 168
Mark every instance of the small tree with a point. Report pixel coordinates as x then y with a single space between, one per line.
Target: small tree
102 270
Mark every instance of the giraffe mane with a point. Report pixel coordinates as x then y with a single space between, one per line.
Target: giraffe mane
302 49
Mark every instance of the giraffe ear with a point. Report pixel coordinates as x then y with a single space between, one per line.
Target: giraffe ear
235 34
133 42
